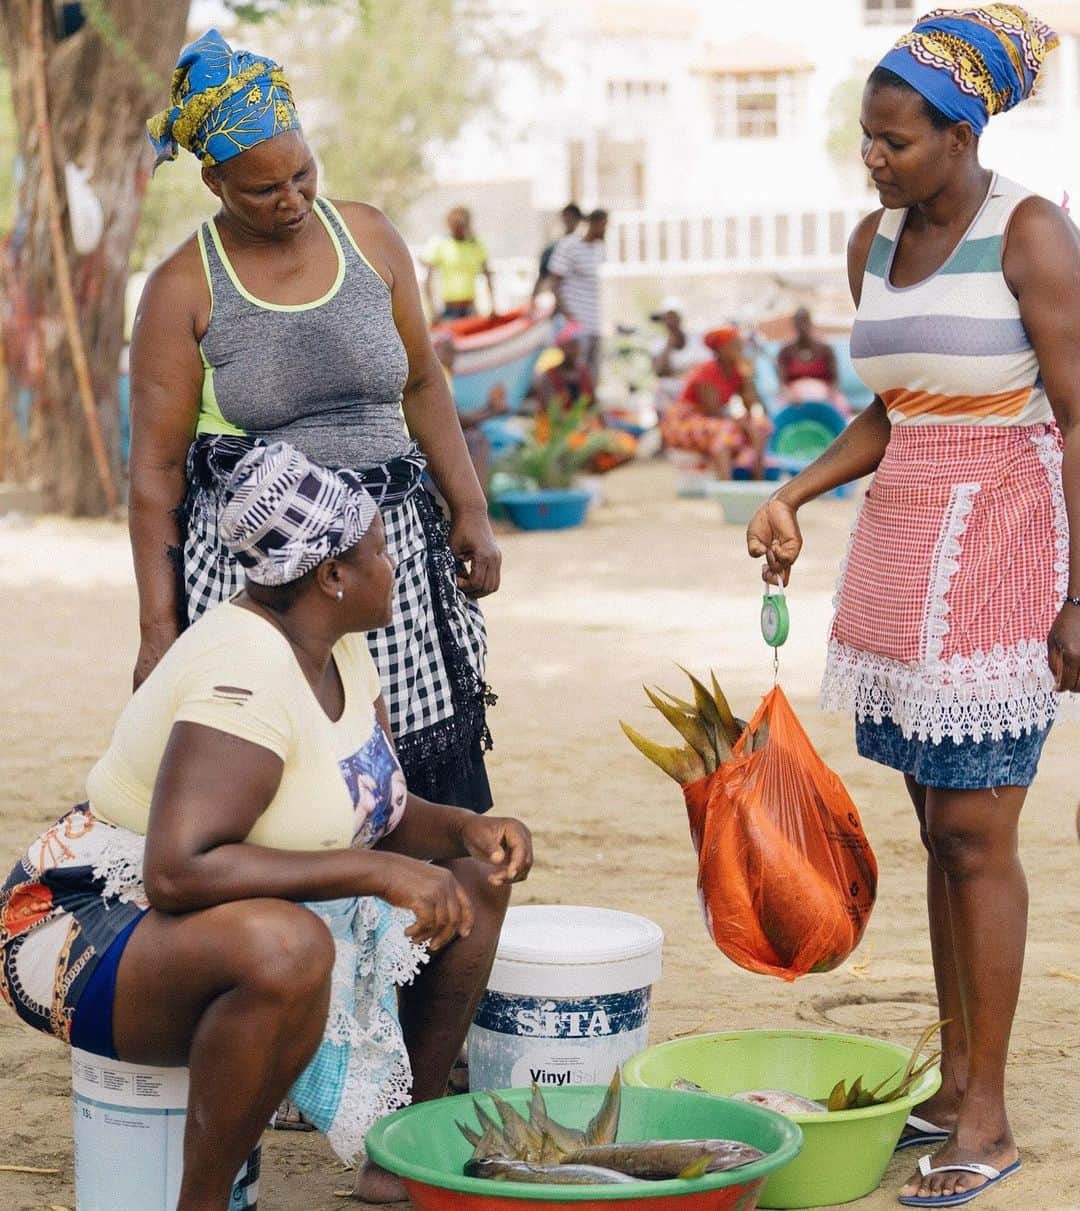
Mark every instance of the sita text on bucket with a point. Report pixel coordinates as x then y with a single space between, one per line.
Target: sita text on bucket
547 1021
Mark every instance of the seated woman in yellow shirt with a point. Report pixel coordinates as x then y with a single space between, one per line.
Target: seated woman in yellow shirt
249 831
459 259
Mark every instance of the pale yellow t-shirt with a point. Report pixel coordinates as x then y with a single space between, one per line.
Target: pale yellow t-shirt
233 671
458 262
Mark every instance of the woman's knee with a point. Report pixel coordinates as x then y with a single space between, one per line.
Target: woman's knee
489 901
961 852
283 948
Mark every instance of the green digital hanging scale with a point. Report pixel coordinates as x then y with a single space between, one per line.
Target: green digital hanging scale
775 622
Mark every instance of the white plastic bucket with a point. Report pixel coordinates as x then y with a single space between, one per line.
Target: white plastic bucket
568 998
129 1137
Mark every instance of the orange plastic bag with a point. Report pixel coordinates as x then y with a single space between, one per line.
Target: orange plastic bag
786 875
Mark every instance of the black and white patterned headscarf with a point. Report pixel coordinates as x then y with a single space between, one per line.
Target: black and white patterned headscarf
282 515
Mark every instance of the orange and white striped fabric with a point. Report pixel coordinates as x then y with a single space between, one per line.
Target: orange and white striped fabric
950 349
959 558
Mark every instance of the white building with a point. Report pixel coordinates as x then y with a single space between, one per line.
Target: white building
704 125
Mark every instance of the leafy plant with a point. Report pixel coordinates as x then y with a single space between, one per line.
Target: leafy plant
856 1097
551 459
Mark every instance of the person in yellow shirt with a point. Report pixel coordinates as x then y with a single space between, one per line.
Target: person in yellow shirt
248 834
458 259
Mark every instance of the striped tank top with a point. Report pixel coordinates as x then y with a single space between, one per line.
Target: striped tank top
952 348
326 376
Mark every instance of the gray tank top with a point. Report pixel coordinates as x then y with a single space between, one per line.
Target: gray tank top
326 376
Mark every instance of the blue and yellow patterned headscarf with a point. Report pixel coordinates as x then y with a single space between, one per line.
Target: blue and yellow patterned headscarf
221 102
972 63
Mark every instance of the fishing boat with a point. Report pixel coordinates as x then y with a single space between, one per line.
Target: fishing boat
497 350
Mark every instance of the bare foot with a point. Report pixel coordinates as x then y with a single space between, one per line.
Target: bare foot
375 1185
289 1118
998 1153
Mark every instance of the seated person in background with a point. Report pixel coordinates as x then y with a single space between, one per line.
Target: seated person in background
477 441
718 414
807 366
571 379
674 354
251 878
458 258
565 385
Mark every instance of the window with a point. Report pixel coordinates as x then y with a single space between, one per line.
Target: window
889 12
757 105
630 91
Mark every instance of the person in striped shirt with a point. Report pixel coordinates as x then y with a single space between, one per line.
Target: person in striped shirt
574 270
956 639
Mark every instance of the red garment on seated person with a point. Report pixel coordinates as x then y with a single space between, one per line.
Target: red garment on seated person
727 382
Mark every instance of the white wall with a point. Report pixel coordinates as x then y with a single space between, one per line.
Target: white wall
688 169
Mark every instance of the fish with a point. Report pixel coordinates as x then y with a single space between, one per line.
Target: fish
604 1124
779 1100
655 1160
685 1085
555 1175
524 1141
683 764
555 1134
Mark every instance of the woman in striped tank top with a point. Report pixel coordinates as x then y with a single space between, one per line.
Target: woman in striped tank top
957 625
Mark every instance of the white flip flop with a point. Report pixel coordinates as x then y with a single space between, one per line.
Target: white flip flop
927 1167
925 1134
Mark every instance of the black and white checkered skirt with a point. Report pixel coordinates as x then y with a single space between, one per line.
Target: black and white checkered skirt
431 658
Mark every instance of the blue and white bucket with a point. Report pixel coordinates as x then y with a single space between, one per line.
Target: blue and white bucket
568 998
129 1137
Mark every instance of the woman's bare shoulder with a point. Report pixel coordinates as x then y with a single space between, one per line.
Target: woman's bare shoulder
858 250
180 276
176 297
1041 245
376 236
362 219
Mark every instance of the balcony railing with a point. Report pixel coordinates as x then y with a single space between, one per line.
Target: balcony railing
732 242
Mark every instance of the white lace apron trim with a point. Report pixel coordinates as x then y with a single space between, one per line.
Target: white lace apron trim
372 957
361 1070
1050 455
118 861
945 565
989 695
1006 691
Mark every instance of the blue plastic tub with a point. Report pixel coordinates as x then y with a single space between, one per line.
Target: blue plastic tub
546 508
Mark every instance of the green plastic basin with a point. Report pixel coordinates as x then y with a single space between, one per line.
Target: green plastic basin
423 1145
844 1154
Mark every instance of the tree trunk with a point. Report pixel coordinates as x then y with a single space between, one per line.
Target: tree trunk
98 106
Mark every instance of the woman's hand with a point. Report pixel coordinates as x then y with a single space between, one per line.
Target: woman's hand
431 892
774 532
503 842
473 542
1063 648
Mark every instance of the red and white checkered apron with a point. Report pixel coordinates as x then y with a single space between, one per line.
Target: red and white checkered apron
955 573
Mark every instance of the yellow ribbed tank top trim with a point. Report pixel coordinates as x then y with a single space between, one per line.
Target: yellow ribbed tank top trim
210 419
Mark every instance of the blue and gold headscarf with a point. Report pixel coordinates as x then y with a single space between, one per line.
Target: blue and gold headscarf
221 102
972 63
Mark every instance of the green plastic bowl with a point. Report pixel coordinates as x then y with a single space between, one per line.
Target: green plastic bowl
845 1154
423 1145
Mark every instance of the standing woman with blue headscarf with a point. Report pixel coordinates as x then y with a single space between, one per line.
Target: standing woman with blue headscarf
956 639
288 317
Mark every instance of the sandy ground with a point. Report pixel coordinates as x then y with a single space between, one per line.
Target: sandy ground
583 619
